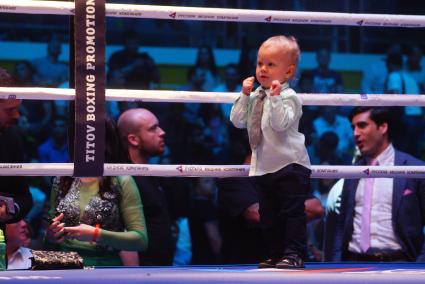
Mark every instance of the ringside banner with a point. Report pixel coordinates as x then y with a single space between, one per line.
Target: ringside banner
89 26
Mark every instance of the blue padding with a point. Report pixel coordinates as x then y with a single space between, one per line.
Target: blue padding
325 273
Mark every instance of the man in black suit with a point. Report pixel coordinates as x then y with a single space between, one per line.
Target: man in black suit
15 188
392 229
144 138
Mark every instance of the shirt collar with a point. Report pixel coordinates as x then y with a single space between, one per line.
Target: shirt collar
386 156
22 252
20 259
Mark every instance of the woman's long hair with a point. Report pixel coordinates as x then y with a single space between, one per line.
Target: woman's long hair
114 153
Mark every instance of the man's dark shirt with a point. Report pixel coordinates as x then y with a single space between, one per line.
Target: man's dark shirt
160 248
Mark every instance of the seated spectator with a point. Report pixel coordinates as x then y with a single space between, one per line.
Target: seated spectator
374 74
329 120
131 69
18 245
55 148
24 74
380 219
49 71
398 80
136 70
414 67
325 151
98 216
143 138
326 80
205 61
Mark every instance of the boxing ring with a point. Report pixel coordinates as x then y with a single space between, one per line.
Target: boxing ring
314 272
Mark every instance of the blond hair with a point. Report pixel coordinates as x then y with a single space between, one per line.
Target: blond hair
289 43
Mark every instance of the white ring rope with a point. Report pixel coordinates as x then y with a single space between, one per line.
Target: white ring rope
219 14
324 172
212 97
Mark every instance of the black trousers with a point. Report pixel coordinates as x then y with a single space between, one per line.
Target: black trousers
283 221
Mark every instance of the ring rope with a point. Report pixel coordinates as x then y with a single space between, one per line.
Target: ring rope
212 97
320 171
220 14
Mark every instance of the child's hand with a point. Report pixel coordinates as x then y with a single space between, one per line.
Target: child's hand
248 85
275 88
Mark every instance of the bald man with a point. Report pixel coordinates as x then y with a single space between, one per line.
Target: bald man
15 189
141 134
144 138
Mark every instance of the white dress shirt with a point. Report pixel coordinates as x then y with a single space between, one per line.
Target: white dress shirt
20 259
381 226
281 143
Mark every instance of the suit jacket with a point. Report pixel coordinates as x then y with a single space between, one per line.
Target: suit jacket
408 212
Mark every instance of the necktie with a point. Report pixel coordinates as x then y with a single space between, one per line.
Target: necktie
367 210
256 115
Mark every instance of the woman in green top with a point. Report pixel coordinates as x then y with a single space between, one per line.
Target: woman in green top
98 217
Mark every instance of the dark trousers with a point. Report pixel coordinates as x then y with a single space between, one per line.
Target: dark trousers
281 196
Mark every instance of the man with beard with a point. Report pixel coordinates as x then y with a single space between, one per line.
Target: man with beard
380 219
143 138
